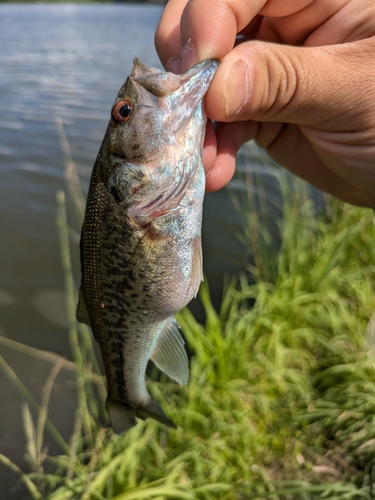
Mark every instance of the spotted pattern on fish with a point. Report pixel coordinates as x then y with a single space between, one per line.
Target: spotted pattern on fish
140 246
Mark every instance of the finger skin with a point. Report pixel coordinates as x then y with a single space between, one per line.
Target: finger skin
289 147
213 35
230 137
306 162
302 89
270 82
204 35
210 147
167 35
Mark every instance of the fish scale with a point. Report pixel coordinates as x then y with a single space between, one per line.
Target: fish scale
141 256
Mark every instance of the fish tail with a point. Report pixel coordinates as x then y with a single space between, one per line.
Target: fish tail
123 417
152 409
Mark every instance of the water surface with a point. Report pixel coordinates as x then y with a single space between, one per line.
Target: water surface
55 60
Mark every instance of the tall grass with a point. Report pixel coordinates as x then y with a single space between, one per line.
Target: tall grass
281 398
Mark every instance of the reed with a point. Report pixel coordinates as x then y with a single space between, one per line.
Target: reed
281 396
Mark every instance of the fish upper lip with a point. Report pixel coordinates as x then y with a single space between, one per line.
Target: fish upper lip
209 65
193 86
203 71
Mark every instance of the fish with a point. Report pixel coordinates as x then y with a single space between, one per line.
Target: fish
141 251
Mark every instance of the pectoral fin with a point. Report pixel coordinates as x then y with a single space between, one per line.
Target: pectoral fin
82 314
169 353
147 252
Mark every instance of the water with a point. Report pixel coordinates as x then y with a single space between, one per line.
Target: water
66 61
55 60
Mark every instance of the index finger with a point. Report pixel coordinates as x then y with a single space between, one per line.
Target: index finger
195 30
167 36
198 30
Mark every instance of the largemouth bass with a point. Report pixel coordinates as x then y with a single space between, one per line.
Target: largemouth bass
141 253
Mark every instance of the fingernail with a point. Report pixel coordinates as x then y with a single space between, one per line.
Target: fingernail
189 57
174 65
237 89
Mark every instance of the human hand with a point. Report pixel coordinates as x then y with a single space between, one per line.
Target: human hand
302 84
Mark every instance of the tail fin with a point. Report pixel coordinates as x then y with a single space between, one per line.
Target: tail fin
152 409
123 417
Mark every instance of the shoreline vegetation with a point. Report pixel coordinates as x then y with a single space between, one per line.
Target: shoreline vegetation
281 398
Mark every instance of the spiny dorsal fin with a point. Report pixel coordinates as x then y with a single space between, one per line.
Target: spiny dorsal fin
169 353
82 314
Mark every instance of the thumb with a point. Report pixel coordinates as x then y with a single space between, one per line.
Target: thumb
321 87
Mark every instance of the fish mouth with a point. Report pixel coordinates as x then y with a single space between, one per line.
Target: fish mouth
192 87
164 100
176 88
170 108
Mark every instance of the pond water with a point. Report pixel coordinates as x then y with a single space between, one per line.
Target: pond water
67 62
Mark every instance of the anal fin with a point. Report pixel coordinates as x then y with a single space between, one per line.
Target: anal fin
169 353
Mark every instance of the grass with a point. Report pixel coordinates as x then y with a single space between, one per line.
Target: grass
281 398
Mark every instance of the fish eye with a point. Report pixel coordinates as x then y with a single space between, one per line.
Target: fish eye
122 111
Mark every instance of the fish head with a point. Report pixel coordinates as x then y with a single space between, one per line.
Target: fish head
157 121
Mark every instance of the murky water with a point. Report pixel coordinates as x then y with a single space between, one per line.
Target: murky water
66 61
